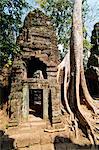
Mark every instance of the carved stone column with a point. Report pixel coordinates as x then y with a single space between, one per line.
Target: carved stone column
45 103
25 108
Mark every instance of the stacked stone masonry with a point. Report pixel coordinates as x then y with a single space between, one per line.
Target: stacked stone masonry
35 68
93 63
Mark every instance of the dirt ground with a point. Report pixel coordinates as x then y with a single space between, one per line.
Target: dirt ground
31 135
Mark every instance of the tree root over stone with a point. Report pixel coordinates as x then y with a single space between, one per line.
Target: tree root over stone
74 77
65 64
55 130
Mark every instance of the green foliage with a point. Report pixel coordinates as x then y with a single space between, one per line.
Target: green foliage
10 21
60 12
11 12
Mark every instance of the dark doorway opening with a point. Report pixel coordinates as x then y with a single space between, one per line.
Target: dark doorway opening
36 102
34 66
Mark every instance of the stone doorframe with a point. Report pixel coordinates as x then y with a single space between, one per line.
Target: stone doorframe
46 86
35 84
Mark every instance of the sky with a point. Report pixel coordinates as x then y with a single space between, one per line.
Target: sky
92 17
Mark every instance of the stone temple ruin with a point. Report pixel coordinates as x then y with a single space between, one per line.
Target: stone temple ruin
92 73
33 80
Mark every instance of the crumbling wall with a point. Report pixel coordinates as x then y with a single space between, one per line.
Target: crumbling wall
38 42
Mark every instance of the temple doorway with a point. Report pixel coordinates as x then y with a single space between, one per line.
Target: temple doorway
36 102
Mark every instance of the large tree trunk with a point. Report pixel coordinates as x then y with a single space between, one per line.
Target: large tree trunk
77 77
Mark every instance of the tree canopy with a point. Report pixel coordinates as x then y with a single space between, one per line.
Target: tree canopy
10 22
61 15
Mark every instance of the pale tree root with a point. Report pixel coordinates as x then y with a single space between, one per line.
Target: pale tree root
90 131
74 125
66 64
76 128
81 117
84 121
55 130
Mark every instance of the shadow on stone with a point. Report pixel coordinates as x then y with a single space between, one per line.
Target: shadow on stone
61 143
6 143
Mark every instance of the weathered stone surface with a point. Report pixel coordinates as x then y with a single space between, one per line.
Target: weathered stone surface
36 68
92 73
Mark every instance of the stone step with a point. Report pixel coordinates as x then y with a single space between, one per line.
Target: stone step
20 130
27 127
24 139
32 138
39 124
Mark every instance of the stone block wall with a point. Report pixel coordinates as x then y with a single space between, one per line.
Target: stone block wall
92 72
38 42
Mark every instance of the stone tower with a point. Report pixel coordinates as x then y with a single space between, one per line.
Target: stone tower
34 71
92 73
